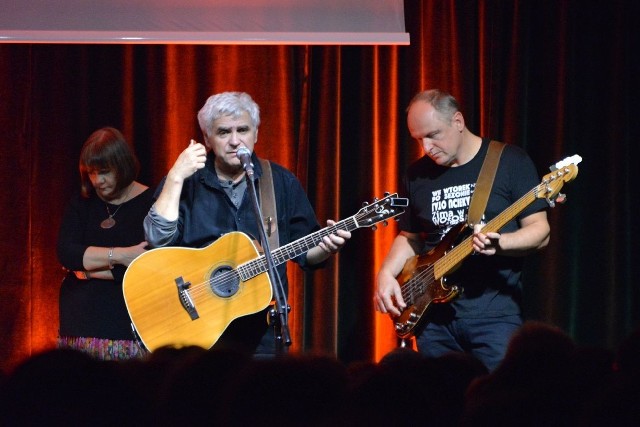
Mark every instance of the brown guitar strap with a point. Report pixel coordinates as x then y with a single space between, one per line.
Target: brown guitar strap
268 204
485 182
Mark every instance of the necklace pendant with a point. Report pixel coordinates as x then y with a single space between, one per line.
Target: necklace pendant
108 223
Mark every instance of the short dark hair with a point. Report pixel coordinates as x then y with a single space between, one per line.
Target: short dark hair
106 148
444 103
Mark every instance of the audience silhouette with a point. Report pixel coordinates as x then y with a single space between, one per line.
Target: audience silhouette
545 379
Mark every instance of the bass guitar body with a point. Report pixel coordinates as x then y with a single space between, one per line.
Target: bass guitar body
422 285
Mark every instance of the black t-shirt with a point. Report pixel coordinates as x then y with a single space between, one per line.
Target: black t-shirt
439 199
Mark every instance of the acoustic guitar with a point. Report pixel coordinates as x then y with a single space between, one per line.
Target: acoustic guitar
188 296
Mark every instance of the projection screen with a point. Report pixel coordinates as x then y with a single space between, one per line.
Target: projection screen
204 21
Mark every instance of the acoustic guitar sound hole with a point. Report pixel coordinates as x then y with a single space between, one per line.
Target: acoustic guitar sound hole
224 283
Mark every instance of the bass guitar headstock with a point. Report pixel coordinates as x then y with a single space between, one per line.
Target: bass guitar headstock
563 171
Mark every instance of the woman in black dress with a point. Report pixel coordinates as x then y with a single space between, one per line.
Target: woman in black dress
101 233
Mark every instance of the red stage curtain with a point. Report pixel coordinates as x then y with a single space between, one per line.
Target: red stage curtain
553 77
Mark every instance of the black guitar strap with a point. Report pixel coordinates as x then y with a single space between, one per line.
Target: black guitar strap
485 182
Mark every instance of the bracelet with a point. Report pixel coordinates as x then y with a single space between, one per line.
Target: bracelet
82 275
111 258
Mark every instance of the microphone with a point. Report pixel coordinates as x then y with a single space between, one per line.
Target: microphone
244 155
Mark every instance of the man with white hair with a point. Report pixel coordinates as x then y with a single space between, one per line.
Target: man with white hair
204 196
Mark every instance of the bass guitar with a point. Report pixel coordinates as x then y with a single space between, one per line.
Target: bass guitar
423 277
184 296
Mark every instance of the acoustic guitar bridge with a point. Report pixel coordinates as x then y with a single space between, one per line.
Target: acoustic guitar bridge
185 298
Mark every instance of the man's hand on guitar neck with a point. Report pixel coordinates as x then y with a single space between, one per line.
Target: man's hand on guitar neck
532 236
485 243
329 245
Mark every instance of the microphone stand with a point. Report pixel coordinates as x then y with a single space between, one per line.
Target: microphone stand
279 314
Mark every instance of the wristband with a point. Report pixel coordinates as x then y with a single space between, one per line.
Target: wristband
111 258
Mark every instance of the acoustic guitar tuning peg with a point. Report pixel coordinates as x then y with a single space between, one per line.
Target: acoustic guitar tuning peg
561 198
